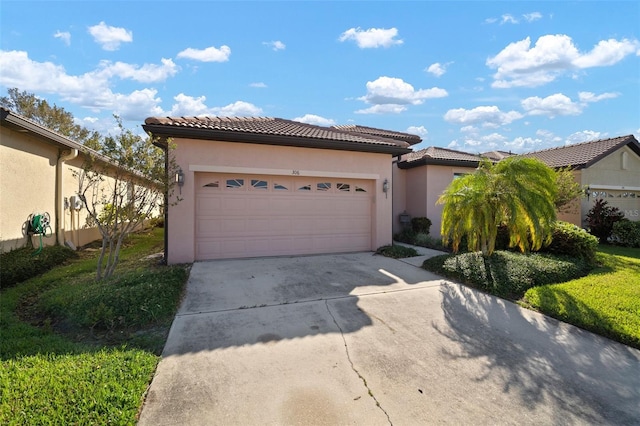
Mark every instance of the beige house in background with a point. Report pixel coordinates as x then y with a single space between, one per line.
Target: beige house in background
268 186
37 177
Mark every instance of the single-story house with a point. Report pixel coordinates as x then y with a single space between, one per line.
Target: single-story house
257 186
606 168
38 177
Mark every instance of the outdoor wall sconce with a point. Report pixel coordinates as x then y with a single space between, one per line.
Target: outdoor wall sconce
385 186
180 179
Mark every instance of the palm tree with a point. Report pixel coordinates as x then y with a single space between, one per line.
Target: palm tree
517 193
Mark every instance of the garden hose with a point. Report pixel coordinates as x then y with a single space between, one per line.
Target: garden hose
39 224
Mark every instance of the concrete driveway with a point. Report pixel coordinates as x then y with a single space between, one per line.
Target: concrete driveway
367 340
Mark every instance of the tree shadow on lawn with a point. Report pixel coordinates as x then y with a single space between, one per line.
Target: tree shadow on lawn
544 362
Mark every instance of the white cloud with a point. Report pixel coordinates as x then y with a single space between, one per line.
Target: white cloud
437 69
383 109
210 54
468 129
395 91
418 130
486 116
592 97
551 106
259 85
533 16
147 73
275 45
507 18
584 136
490 21
195 106
109 37
372 38
315 119
521 144
90 90
520 65
65 36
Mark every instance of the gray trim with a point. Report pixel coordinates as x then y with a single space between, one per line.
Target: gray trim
268 139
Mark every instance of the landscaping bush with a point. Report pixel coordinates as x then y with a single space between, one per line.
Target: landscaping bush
421 225
397 251
506 273
407 235
571 240
626 233
601 218
135 299
21 264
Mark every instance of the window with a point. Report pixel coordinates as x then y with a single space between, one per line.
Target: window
235 183
259 184
279 187
305 188
345 187
457 175
358 189
214 184
323 186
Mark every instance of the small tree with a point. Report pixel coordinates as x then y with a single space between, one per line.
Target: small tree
120 189
516 193
601 218
568 191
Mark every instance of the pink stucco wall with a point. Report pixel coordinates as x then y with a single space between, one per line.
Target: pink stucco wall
205 156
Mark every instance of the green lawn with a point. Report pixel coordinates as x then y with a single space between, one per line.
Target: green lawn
73 351
607 301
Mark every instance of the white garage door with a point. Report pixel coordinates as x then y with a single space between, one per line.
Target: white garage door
261 215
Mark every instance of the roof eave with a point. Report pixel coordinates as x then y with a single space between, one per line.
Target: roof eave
629 141
269 139
437 162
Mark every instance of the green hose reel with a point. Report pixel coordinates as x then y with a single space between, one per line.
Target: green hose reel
40 224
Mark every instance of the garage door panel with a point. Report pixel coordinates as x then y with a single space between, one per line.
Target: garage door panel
277 219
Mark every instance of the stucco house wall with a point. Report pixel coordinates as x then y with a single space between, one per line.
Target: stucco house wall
194 156
618 176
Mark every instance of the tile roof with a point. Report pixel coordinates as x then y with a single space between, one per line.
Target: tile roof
583 154
267 129
353 128
437 155
497 155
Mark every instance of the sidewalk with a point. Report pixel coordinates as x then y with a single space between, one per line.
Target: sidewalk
423 254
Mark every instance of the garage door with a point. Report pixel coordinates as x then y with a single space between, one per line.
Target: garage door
256 215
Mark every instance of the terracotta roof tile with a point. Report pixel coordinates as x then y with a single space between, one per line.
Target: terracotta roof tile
282 127
583 154
407 137
437 153
497 155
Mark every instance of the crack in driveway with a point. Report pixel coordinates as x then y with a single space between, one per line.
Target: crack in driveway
353 367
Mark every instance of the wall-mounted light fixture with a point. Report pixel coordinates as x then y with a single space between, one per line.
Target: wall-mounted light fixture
385 186
180 179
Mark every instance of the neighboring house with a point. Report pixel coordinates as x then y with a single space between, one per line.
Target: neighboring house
420 177
37 176
257 186
607 168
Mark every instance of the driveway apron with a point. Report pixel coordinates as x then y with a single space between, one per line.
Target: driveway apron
366 340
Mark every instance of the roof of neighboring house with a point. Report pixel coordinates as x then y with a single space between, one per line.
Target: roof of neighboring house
439 156
411 139
497 155
584 154
273 131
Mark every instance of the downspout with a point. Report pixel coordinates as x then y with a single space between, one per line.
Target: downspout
62 158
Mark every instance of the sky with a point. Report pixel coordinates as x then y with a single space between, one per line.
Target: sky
472 76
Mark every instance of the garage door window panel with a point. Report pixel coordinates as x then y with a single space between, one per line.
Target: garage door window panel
237 183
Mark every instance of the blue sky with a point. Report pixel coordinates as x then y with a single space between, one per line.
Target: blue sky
473 76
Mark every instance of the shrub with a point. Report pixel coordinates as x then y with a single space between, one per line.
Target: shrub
397 251
571 240
421 225
601 218
405 236
21 264
626 233
507 273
